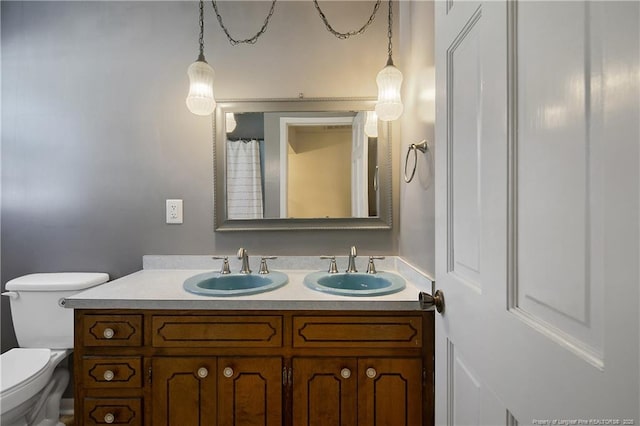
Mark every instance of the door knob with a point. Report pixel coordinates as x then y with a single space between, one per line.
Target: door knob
345 373
427 300
227 372
203 372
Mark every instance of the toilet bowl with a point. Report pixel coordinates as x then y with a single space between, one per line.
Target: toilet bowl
33 376
25 375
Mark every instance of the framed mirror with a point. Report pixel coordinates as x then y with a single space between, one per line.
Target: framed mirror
287 164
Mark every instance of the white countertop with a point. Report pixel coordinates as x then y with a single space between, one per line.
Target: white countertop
163 289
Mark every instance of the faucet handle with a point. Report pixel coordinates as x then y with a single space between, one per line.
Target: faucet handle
264 269
225 264
371 267
333 268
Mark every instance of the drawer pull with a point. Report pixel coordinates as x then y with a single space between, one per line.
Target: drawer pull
227 372
108 375
109 418
371 372
108 333
203 372
345 373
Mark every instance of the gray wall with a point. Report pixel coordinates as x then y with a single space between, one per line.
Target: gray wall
417 199
96 135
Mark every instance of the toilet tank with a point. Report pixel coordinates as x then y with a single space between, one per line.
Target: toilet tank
39 318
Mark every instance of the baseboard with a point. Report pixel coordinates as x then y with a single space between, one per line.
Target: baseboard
66 406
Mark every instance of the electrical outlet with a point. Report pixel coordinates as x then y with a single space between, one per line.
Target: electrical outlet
174 211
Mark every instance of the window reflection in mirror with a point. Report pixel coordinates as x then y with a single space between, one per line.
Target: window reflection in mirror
307 165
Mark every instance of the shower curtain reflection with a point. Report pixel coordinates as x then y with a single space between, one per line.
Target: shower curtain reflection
245 193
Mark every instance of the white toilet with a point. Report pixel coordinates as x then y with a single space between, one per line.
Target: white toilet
31 380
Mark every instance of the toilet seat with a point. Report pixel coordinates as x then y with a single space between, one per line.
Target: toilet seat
25 372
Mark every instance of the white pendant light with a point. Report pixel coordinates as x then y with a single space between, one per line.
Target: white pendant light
389 106
230 122
200 99
371 124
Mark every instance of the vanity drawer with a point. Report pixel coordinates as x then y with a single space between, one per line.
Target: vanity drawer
357 331
215 331
112 330
119 411
112 372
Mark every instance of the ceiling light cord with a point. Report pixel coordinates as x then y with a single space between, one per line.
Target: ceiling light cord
348 34
390 35
201 39
251 40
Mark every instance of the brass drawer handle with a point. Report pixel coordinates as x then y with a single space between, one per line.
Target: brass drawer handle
227 372
345 373
109 418
203 372
108 375
371 372
108 333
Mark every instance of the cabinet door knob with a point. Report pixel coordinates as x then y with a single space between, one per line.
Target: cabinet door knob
109 418
345 373
371 372
108 333
108 375
203 372
227 372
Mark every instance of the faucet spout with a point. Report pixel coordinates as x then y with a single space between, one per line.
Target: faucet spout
244 255
352 260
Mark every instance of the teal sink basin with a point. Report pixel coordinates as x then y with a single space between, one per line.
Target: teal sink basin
219 285
355 284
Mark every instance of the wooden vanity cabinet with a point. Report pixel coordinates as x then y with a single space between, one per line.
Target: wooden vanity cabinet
209 391
274 368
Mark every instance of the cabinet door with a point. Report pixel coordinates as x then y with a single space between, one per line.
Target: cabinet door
324 391
390 391
184 391
250 391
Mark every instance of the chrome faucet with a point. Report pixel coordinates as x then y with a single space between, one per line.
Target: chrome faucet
244 255
352 260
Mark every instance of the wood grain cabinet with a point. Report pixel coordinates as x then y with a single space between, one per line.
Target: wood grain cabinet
195 391
350 391
288 368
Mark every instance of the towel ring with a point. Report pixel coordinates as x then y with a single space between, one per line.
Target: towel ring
415 147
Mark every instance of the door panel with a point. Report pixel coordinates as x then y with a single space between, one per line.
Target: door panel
537 160
324 391
250 391
389 391
559 209
181 395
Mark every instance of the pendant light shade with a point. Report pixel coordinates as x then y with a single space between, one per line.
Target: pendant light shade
230 122
371 124
389 106
200 99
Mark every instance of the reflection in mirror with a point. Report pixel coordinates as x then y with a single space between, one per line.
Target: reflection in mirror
300 164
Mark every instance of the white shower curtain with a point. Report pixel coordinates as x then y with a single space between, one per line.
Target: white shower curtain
359 170
244 180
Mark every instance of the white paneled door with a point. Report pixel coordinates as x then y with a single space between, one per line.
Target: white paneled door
537 212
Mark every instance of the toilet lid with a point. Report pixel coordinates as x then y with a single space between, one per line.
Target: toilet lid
21 365
57 281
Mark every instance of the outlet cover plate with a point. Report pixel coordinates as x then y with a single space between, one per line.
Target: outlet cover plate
174 211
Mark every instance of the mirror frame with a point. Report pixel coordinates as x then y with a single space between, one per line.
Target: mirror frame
222 224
